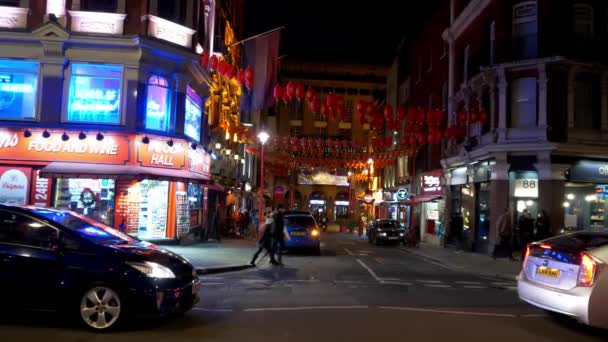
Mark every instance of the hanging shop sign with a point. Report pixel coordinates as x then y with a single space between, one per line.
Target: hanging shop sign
112 149
41 194
588 171
402 194
431 183
527 187
159 153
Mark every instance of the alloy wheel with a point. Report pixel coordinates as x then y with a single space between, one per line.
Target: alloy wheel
100 307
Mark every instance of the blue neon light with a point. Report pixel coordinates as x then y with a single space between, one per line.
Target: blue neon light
194 113
158 113
95 93
18 85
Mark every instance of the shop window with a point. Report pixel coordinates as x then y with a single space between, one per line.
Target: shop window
523 103
158 105
18 89
194 113
195 196
22 230
93 198
152 198
172 10
585 206
525 30
583 21
95 93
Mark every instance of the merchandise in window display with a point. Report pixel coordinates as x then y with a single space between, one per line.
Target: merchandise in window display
83 196
153 209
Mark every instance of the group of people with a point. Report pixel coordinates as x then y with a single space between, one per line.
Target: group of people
529 230
272 237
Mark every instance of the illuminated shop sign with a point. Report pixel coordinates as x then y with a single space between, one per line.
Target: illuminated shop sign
18 84
95 98
431 184
158 153
317 202
194 113
158 104
402 195
344 203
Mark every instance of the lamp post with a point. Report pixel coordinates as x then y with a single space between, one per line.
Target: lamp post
263 138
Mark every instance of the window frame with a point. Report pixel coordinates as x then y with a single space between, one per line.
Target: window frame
170 89
67 88
36 116
590 22
42 222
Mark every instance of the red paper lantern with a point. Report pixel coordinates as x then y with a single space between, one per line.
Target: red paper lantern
222 67
230 71
421 140
369 109
401 113
462 117
483 116
330 100
473 116
413 140
310 94
204 61
341 111
339 100
388 111
240 76
249 74
278 92
324 110
360 106
315 105
388 142
300 91
290 90
213 62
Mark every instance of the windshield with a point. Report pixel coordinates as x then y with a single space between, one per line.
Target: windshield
86 227
305 221
387 224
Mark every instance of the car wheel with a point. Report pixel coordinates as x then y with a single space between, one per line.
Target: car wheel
101 308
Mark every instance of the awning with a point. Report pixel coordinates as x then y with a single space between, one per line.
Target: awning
425 198
88 170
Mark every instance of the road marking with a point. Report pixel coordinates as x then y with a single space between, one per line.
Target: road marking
468 282
502 284
303 280
366 251
211 278
363 254
349 281
425 259
211 284
308 308
512 288
437 285
474 287
391 279
448 311
212 310
429 281
532 315
396 283
349 252
373 274
254 280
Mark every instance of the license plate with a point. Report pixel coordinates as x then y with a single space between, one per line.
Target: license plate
298 233
196 287
393 238
548 272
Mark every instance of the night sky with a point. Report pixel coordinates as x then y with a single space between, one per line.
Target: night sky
339 31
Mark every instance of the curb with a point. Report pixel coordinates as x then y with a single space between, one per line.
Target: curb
221 269
464 270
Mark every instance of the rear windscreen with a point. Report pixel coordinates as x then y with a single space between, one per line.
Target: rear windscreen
579 242
305 221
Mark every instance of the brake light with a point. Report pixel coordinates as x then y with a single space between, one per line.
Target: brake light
528 249
586 272
543 246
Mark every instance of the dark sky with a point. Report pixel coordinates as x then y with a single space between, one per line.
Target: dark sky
337 30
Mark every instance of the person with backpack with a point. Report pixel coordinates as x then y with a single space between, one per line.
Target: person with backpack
265 242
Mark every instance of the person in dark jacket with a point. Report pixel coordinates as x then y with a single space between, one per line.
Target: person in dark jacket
278 234
265 243
526 231
543 226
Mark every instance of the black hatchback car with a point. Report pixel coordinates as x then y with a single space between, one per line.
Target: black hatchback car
385 231
60 260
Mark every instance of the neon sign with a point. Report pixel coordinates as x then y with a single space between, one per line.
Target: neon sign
92 98
192 126
18 84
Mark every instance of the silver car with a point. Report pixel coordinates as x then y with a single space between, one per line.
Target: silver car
567 275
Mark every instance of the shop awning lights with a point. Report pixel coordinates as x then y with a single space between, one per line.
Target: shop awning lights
193 146
65 137
82 136
99 136
170 143
145 140
27 133
46 134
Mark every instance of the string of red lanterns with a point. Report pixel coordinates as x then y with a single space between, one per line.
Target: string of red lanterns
221 66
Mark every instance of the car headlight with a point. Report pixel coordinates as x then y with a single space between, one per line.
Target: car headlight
382 234
152 269
401 234
314 233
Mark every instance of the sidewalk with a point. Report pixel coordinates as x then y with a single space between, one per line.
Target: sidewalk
473 263
215 257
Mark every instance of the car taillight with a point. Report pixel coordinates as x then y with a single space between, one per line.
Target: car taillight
586 272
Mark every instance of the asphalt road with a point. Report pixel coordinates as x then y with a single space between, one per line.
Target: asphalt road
352 291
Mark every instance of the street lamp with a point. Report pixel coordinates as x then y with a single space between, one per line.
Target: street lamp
263 138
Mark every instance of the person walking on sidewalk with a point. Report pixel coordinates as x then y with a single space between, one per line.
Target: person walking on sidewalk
265 242
278 233
526 231
504 229
543 226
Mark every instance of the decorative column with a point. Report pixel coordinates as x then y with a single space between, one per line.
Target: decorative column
502 105
551 187
499 194
542 102
571 99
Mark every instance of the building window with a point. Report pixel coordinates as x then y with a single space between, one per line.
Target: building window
108 6
295 131
349 110
10 3
583 21
95 93
158 105
193 115
18 89
586 113
172 10
523 103
492 41
345 134
525 29
466 63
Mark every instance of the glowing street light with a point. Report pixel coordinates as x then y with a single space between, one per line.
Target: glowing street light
263 137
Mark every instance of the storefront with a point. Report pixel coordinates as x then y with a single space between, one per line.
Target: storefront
317 204
430 206
585 196
341 205
148 187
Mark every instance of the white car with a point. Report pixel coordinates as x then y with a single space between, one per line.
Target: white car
567 275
